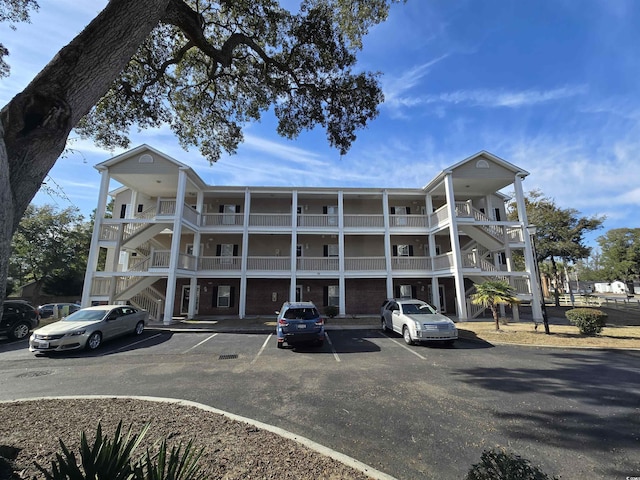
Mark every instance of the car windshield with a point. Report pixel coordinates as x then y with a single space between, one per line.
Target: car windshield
301 314
86 315
417 309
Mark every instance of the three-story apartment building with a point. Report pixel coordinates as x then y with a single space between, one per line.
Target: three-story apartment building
181 248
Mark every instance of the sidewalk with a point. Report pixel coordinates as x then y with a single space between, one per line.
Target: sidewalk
257 324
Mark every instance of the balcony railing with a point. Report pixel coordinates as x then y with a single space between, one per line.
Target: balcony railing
443 262
100 286
222 219
109 232
317 263
369 264
219 263
270 220
514 234
321 220
411 263
363 221
269 263
410 221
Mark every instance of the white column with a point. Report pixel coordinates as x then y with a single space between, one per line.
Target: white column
193 296
435 294
242 305
94 249
529 258
387 243
175 248
461 304
294 243
341 280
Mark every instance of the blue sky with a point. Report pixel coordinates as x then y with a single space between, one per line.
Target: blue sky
551 86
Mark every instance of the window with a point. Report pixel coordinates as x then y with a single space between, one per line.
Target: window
229 214
400 214
333 295
140 208
227 251
225 296
331 250
405 291
332 213
497 214
123 211
403 250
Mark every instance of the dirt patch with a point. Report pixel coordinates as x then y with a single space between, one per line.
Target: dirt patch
230 449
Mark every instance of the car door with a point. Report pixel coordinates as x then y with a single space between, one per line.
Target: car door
391 316
113 324
129 319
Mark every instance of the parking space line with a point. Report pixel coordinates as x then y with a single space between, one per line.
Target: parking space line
200 343
139 341
335 354
406 347
264 345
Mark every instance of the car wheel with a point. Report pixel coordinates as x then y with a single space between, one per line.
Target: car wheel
319 343
406 334
280 344
384 325
94 341
139 328
19 331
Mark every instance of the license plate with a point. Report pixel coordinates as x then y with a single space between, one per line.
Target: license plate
43 344
302 325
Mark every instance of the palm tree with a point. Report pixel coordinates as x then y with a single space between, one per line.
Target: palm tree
492 293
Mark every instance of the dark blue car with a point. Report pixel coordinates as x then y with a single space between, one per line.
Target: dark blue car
299 322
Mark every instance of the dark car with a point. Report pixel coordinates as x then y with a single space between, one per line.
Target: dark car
18 318
63 309
299 322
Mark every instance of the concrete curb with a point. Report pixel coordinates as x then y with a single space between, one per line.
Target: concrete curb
321 449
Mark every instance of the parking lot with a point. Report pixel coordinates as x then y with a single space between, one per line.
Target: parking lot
410 411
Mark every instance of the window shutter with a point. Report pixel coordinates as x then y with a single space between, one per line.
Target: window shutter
325 296
408 210
393 210
395 250
235 250
218 250
411 250
214 299
232 296
237 208
398 291
221 209
414 291
324 210
325 249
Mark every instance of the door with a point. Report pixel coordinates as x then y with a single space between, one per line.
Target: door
299 293
184 304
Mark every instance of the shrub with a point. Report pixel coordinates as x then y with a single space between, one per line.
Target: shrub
112 460
588 320
331 311
500 465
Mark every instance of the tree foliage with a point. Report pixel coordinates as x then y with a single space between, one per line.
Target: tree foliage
560 232
620 254
50 248
203 67
492 293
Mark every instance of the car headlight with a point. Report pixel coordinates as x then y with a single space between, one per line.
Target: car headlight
76 332
417 325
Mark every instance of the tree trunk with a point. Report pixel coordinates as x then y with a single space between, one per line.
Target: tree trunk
35 124
496 316
554 273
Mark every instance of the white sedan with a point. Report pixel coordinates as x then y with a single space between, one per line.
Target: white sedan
88 328
418 321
